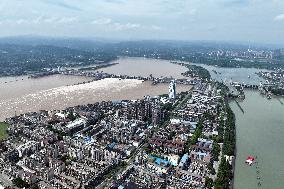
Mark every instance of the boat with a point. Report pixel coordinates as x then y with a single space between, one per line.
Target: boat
250 160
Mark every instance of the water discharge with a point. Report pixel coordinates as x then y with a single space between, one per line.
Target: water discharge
20 94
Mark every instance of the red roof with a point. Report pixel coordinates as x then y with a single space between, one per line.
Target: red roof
251 158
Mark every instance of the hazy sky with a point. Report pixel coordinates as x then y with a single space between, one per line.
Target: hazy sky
229 20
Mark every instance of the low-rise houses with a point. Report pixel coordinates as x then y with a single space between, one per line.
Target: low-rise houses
131 143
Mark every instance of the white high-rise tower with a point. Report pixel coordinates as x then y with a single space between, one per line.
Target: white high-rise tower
172 90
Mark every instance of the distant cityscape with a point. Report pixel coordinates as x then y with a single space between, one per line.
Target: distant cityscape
44 56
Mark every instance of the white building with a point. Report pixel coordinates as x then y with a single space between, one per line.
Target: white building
172 90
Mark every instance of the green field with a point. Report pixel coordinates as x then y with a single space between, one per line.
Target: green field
3 130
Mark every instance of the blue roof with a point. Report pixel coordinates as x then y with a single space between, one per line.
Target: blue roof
116 101
111 145
159 161
120 187
201 154
184 158
87 139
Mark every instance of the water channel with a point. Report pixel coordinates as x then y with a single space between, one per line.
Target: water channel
259 132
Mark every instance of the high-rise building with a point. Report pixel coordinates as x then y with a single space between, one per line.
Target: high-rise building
172 90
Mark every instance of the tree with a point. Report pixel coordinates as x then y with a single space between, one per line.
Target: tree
216 151
20 183
208 182
224 175
211 168
197 133
71 116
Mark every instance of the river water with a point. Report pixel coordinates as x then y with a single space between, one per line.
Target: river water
12 87
246 75
144 67
260 132
20 94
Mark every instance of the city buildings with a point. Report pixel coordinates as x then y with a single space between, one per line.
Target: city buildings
148 143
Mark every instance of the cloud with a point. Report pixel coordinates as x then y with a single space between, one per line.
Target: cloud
41 20
167 19
21 21
127 26
233 3
279 17
102 21
56 20
52 20
62 4
154 27
114 1
109 24
192 12
64 20
37 20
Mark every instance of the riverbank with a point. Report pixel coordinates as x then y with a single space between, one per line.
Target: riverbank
93 68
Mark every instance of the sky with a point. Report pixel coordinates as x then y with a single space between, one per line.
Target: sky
259 21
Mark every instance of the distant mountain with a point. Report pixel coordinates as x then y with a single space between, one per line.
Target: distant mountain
93 44
73 43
